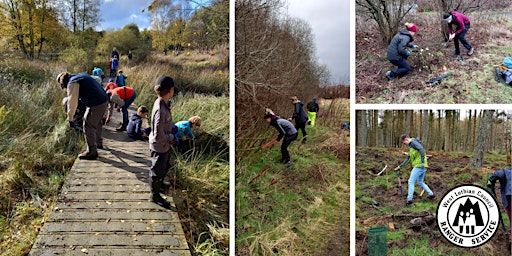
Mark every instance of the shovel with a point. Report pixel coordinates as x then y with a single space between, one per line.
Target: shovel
400 183
493 192
378 174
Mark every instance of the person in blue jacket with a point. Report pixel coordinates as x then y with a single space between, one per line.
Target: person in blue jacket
287 132
99 73
185 134
397 51
121 79
82 87
504 176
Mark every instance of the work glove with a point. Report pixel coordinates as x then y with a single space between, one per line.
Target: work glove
414 46
71 124
452 36
489 184
397 168
407 53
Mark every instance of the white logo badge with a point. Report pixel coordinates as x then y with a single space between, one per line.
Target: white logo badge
468 216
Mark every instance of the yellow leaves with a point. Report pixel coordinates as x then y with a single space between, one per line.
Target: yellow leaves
2 110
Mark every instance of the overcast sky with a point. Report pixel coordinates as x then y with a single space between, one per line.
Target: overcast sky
330 22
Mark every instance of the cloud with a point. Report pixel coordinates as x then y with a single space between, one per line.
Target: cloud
330 22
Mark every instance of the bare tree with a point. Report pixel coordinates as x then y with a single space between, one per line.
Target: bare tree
482 139
388 14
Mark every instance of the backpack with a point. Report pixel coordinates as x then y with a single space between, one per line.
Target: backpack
504 71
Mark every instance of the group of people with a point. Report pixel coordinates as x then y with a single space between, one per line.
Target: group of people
418 159
397 53
289 132
85 90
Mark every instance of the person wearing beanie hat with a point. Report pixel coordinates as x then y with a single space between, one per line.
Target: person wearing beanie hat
82 87
160 138
397 52
462 24
287 131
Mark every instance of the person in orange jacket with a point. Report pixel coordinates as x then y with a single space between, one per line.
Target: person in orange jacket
128 95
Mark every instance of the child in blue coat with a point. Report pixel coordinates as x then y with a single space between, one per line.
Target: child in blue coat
185 134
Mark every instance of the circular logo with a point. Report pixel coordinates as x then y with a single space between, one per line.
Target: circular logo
468 216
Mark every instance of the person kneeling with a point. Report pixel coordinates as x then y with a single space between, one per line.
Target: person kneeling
134 128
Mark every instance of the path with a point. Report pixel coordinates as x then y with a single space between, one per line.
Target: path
104 210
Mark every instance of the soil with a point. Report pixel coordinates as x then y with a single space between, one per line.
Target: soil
372 64
442 168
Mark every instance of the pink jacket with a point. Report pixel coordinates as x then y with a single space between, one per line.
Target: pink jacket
460 20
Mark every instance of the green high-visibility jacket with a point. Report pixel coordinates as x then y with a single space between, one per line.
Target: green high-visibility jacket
417 155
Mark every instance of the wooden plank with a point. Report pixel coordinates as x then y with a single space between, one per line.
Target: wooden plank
95 196
108 240
107 188
131 205
112 215
77 251
114 226
97 181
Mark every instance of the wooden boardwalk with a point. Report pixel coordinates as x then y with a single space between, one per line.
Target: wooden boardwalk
104 209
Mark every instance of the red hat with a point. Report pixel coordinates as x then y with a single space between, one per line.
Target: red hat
412 28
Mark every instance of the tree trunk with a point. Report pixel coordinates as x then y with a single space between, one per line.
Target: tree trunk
481 140
362 132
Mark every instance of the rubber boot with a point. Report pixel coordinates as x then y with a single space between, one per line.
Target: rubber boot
155 196
165 186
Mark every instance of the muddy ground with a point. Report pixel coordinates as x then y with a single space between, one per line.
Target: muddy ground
445 172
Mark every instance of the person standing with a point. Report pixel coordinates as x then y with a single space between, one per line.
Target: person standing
313 108
82 87
417 157
504 176
160 138
462 24
121 79
128 95
300 116
114 53
397 51
287 132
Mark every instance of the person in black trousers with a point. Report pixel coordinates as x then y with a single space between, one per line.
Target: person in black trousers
300 116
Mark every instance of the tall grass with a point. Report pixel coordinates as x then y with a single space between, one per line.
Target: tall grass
202 176
36 149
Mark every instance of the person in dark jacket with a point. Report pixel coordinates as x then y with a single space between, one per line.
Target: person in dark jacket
300 116
462 23
313 108
287 132
134 128
504 176
82 87
397 51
